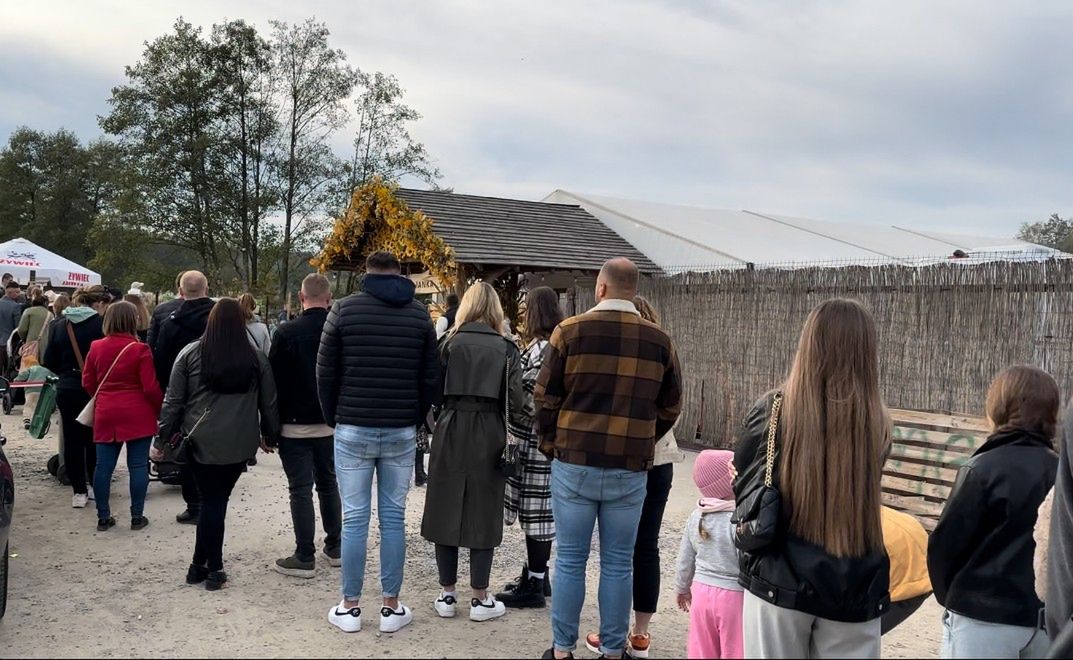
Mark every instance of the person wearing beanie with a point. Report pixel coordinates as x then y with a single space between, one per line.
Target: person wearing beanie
707 580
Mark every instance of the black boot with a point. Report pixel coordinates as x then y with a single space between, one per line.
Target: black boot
518 581
420 477
529 594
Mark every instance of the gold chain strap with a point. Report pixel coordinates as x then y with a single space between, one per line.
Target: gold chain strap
773 425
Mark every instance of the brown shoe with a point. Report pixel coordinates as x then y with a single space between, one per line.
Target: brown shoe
636 645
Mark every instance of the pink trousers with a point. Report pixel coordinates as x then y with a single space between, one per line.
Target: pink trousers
715 628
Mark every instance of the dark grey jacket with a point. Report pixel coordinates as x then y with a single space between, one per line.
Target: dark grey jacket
1059 604
464 506
231 425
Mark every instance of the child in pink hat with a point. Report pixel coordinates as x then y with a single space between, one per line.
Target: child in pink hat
707 580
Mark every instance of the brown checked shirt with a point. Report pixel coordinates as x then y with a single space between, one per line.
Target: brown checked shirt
610 386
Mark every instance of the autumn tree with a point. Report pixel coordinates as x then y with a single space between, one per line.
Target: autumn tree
1055 232
315 82
382 143
167 117
250 131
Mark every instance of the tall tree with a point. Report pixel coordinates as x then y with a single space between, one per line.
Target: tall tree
167 117
52 187
314 83
248 111
1055 232
383 145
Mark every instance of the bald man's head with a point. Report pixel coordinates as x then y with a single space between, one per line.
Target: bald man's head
194 285
617 280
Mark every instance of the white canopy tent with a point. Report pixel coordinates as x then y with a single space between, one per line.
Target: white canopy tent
28 262
679 237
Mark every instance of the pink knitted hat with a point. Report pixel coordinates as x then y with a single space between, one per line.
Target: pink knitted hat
711 473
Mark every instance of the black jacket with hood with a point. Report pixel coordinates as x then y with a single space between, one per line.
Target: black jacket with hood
377 364
792 572
294 364
980 554
59 356
182 327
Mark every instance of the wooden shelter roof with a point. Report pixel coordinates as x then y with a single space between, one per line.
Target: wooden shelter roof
493 231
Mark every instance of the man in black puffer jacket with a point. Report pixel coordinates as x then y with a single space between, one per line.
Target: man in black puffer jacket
377 376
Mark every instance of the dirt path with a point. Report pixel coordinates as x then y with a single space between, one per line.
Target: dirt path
78 593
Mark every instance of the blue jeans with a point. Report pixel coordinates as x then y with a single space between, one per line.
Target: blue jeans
137 466
965 637
581 496
359 451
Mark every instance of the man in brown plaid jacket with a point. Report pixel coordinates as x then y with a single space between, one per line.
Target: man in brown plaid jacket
610 386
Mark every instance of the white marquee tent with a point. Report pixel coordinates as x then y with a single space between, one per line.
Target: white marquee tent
690 238
28 262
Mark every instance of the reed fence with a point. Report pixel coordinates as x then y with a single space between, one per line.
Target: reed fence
945 330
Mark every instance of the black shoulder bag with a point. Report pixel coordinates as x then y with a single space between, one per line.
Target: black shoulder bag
757 516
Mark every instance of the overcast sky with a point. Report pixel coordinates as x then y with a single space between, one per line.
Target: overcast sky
947 115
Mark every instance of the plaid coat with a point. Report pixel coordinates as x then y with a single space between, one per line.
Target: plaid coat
528 495
609 387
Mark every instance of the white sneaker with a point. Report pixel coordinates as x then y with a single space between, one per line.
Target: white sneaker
445 605
486 610
395 620
89 494
346 619
79 500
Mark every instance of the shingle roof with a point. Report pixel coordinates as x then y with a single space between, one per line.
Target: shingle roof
513 232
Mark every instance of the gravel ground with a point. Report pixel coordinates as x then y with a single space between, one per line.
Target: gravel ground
79 593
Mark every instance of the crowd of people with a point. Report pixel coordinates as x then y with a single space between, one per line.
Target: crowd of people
789 552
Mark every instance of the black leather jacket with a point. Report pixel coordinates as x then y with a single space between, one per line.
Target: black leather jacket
980 554
792 572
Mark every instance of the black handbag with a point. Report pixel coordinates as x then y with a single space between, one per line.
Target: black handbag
178 448
756 517
508 461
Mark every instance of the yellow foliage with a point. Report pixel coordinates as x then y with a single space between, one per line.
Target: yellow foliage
378 220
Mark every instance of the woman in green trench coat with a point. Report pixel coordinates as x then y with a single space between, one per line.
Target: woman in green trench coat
464 504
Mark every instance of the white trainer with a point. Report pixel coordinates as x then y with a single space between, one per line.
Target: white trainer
89 494
395 620
346 619
486 610
445 605
79 500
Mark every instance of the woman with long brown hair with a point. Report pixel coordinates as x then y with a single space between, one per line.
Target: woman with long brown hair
980 555
818 587
143 316
528 495
222 396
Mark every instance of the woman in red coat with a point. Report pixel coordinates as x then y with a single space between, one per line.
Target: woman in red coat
119 369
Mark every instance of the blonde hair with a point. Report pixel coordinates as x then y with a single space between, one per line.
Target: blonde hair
249 306
144 318
481 305
835 432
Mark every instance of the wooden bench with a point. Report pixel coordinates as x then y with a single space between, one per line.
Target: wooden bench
928 449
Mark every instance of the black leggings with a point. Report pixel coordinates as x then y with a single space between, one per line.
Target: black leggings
215 482
79 452
480 566
539 554
646 550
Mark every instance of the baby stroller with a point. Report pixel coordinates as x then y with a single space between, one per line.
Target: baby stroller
165 472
